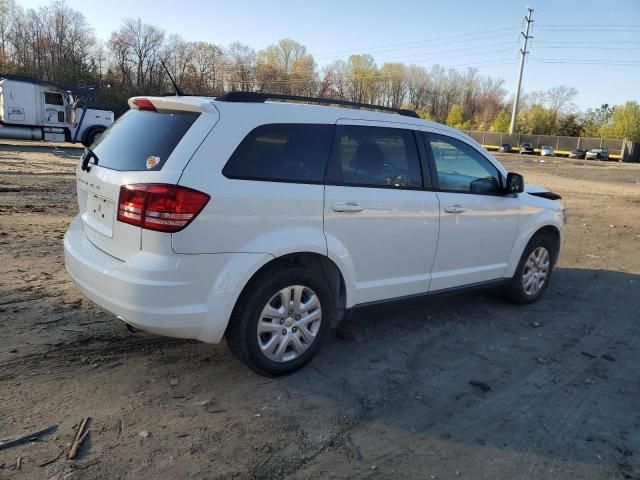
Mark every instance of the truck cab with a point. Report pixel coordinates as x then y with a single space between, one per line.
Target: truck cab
31 109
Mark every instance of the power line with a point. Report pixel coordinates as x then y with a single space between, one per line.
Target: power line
427 55
596 42
221 66
600 30
597 47
255 76
556 25
585 61
455 38
440 44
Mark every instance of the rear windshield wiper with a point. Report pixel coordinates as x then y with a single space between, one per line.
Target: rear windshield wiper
88 155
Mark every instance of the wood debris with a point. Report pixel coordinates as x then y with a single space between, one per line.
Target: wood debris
26 437
81 434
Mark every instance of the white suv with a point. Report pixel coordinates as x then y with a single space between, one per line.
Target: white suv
266 222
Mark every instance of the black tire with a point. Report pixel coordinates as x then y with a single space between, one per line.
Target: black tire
92 135
241 335
515 289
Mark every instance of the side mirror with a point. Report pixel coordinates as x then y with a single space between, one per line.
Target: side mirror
515 183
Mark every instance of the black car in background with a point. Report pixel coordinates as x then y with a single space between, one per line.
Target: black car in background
598 154
526 148
505 148
578 153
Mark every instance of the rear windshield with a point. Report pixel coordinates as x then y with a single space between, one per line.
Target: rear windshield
142 140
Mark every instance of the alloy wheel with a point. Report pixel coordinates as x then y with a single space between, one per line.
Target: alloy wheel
289 323
536 271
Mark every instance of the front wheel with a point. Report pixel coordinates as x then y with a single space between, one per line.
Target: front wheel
281 320
534 270
92 136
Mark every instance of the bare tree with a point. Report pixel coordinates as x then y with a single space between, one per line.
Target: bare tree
240 74
560 99
137 46
8 13
209 65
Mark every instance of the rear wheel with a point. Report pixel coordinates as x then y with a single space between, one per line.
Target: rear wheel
534 270
281 320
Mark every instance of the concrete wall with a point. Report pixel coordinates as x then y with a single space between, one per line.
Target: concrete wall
618 149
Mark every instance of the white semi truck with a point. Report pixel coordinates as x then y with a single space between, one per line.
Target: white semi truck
32 109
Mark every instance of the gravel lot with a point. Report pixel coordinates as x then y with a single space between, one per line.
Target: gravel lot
457 387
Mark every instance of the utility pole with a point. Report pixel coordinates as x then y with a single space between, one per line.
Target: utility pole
523 52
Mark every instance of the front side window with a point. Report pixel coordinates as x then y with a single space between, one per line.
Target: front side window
282 152
374 157
462 168
53 99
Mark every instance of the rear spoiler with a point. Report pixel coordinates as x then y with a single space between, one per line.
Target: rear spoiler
173 104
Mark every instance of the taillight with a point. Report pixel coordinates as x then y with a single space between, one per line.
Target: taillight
144 104
164 208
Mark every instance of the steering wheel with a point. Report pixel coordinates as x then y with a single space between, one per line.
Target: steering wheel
388 171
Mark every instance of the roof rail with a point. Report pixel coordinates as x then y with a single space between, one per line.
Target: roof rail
255 97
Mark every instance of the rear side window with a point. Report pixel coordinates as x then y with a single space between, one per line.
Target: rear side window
282 153
374 157
142 140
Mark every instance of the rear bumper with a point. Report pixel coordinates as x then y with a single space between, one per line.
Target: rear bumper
184 296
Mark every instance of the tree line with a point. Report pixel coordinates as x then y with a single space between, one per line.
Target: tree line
56 43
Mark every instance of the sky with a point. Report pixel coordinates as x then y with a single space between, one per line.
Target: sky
594 45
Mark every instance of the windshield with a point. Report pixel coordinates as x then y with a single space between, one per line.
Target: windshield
142 140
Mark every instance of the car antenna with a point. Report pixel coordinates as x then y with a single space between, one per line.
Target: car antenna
175 85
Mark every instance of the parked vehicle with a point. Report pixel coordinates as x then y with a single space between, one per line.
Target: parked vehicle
32 109
505 148
547 151
598 154
527 148
267 222
578 153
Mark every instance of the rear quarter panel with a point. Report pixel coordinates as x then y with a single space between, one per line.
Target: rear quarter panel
246 215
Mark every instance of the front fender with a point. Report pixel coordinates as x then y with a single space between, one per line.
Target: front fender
532 219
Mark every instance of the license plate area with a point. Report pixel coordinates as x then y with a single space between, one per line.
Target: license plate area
99 214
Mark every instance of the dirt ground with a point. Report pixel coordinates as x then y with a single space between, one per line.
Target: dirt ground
457 387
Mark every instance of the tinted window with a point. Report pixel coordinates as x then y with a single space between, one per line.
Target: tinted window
53 98
142 140
374 156
282 152
462 168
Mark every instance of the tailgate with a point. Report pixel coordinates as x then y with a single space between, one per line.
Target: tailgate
141 147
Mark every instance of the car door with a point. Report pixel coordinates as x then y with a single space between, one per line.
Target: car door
54 108
478 224
379 221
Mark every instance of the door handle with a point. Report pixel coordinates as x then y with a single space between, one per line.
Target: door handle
454 209
347 207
